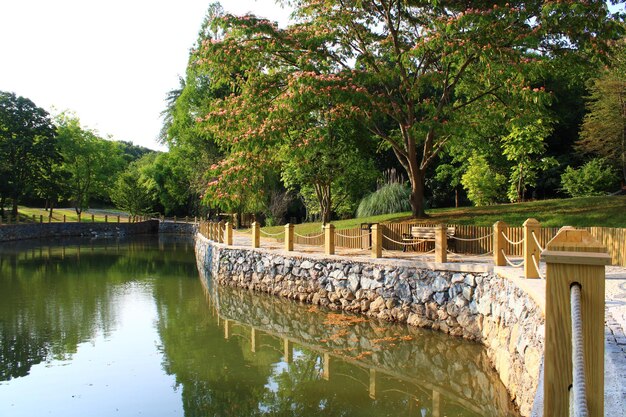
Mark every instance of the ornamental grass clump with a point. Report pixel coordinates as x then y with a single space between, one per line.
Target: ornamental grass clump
391 197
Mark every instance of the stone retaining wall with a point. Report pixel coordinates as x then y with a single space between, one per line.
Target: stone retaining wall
50 230
478 306
189 229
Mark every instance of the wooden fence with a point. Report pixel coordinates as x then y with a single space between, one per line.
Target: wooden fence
357 238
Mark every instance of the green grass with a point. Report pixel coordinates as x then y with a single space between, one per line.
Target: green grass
606 211
26 215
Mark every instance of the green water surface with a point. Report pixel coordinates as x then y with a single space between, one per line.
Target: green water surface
130 328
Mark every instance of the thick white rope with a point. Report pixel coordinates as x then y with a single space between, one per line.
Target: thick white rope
411 243
578 363
536 241
352 237
510 241
308 237
508 261
537 266
471 240
272 234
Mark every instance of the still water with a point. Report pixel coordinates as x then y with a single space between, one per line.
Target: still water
128 328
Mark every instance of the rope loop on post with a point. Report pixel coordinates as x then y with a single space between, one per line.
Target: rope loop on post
471 240
272 234
536 242
308 237
508 261
579 385
537 266
510 241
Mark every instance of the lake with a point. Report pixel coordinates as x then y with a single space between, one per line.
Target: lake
128 328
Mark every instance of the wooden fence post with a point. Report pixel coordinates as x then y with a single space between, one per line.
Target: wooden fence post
118 219
106 218
64 219
229 234
220 232
289 230
256 235
79 217
40 218
499 243
441 243
174 219
531 226
574 257
93 218
186 219
34 219
329 239
377 241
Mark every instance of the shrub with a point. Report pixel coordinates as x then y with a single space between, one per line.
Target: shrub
484 186
594 178
389 198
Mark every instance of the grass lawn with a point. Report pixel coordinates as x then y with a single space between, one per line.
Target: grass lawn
26 215
607 211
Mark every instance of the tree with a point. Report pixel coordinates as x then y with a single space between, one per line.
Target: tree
27 146
603 131
484 186
411 71
131 193
92 162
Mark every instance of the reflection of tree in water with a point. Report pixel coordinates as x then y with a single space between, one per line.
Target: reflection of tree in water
216 376
55 297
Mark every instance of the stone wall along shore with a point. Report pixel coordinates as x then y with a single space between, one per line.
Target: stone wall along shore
478 306
14 232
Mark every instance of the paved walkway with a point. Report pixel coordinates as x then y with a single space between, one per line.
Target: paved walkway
615 313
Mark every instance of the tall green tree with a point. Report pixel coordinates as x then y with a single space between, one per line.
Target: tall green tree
27 147
603 131
92 163
411 70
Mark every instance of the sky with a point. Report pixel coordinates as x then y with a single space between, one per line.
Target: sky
111 62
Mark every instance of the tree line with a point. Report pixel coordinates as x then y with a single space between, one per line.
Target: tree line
49 161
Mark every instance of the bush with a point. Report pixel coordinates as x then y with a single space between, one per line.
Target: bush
484 186
389 198
594 178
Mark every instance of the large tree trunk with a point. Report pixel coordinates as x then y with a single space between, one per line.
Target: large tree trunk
325 201
417 195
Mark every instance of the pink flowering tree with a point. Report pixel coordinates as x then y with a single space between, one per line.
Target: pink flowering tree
412 72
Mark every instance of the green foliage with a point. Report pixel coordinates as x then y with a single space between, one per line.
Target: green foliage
603 131
484 186
28 147
390 198
594 178
92 163
524 146
131 191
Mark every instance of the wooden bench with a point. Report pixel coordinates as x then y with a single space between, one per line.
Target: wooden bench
421 233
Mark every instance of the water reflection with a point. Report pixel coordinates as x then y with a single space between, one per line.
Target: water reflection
320 358
129 329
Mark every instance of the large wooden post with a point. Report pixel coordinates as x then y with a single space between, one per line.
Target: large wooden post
441 243
253 340
499 243
329 239
228 235
256 235
531 248
220 231
377 241
289 230
574 256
